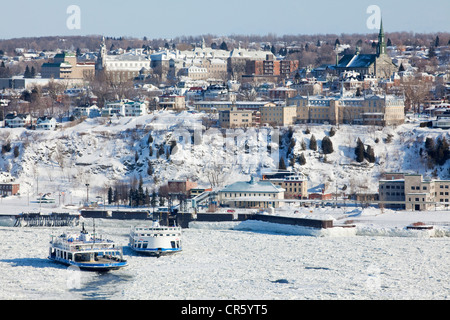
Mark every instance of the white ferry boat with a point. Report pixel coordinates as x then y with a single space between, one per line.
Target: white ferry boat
442 121
86 251
155 240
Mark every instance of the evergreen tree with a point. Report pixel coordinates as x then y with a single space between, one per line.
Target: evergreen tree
436 42
27 73
282 164
224 46
150 151
4 71
302 159
291 146
332 131
173 146
327 145
370 154
303 144
161 150
292 160
431 52
33 72
115 195
140 196
313 143
153 199
150 139
359 151
442 153
430 147
110 195
389 43
149 168
273 50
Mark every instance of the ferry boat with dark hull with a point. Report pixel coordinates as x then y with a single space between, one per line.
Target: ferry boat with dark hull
86 251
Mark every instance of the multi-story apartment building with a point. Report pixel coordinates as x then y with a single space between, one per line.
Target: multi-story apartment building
413 192
216 106
367 109
237 118
278 115
295 185
65 66
270 68
172 102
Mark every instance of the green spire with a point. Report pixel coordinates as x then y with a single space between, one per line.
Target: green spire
381 48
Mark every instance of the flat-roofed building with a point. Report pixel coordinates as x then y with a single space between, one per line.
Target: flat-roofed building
9 189
66 66
340 109
294 184
413 192
278 115
236 118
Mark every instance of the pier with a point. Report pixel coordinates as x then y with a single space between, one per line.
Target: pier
183 219
46 220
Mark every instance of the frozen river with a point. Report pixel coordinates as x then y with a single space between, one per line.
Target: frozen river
230 264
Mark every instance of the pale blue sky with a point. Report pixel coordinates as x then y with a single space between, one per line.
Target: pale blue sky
167 19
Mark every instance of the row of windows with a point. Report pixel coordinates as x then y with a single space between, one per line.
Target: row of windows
247 195
382 186
393 194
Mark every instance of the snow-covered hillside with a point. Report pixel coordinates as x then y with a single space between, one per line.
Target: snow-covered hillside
102 152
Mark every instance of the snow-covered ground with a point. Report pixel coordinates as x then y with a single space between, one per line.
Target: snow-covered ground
378 259
102 152
248 260
222 263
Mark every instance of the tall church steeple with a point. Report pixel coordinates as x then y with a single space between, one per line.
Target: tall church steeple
101 56
381 47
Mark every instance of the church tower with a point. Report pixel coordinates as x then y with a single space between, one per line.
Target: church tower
101 60
381 47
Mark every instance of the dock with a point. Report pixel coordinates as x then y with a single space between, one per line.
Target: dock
183 219
54 219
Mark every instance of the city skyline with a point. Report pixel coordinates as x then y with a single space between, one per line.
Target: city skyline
180 18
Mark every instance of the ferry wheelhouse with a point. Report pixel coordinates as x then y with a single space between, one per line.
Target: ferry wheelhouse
86 251
155 240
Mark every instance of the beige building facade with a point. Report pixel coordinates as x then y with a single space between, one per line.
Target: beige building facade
236 118
295 186
278 115
367 110
65 66
413 192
